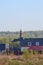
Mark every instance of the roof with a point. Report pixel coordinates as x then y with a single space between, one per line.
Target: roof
27 39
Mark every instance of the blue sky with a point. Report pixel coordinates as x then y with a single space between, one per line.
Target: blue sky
21 14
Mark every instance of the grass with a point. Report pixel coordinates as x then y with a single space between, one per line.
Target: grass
28 58
36 60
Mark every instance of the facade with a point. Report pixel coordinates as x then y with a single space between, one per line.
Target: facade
30 43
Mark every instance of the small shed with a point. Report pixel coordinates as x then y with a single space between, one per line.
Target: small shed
2 47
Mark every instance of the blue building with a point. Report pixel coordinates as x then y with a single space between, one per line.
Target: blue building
30 43
4 47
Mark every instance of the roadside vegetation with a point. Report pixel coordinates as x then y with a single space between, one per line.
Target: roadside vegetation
28 58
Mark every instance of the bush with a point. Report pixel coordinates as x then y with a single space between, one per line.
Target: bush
25 54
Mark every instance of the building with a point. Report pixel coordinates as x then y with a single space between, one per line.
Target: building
30 43
4 47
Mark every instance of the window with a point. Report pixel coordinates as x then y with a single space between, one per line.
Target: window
37 43
29 44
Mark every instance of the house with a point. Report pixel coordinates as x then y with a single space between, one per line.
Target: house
30 43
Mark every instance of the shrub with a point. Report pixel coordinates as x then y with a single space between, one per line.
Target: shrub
25 54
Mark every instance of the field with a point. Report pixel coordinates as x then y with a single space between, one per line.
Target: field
20 60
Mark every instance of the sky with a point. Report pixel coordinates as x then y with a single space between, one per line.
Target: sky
21 14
